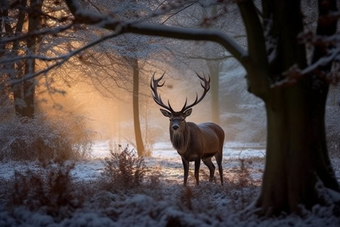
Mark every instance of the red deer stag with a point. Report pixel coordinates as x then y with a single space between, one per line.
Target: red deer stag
192 142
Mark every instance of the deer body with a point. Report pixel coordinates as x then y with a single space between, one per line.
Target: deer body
193 142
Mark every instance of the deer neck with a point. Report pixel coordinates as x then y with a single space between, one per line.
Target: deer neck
180 140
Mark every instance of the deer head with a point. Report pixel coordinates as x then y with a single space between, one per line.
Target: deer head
177 118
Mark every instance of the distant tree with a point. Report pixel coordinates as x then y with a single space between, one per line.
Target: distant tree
207 57
292 85
135 103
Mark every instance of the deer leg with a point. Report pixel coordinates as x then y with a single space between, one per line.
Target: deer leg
211 167
197 169
218 158
186 170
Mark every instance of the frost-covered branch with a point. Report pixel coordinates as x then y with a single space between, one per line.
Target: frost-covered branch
221 57
136 27
49 31
333 55
62 59
39 57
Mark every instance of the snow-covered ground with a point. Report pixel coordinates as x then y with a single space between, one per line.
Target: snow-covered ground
168 161
168 203
163 156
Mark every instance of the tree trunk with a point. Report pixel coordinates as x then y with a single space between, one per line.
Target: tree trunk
214 91
298 169
136 121
16 69
24 92
214 70
29 85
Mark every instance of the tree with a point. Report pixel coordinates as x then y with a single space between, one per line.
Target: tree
135 102
298 170
27 16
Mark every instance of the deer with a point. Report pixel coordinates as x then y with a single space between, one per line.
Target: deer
193 142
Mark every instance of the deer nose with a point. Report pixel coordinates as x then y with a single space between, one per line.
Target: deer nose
175 127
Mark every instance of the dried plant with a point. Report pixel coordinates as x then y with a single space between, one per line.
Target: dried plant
241 188
124 169
49 189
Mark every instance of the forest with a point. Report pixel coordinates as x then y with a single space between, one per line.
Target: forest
82 140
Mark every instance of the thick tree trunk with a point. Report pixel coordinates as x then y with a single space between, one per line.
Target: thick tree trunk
298 170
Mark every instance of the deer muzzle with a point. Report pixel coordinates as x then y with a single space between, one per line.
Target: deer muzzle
175 127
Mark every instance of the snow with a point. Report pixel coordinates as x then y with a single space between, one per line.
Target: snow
170 204
163 155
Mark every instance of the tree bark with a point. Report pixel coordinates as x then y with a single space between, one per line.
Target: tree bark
298 170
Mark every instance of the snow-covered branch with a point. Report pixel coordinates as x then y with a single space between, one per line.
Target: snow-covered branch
62 59
39 57
136 27
49 31
334 54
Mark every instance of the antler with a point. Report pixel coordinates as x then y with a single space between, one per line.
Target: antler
205 85
154 84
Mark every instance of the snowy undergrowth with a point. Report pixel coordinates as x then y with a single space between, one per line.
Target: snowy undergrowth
44 138
154 201
171 210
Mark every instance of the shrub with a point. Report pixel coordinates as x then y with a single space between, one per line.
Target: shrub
44 138
49 189
124 169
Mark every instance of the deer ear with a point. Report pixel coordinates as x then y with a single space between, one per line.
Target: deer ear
187 112
165 113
